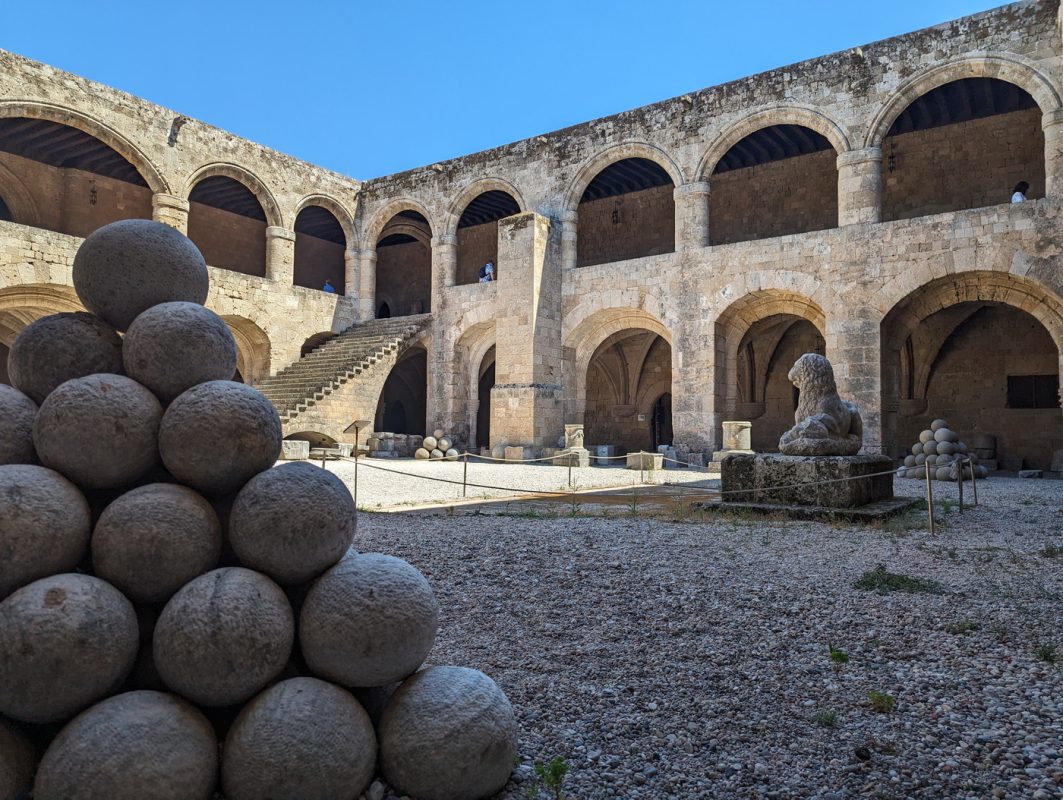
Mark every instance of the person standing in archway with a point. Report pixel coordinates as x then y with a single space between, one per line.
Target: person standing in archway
1018 194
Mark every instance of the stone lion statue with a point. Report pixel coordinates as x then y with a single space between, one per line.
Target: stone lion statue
826 424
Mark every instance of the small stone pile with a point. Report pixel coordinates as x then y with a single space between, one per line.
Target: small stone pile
163 588
940 451
437 447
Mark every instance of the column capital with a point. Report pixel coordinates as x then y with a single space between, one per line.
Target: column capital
569 216
862 156
690 189
1050 118
277 232
445 239
163 200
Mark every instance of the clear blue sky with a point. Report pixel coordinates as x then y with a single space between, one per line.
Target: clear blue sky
370 88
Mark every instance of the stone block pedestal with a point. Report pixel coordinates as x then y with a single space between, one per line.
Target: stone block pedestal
645 461
573 456
295 450
825 481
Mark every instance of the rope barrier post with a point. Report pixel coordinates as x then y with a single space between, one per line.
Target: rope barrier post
569 459
929 498
641 463
974 483
959 483
464 472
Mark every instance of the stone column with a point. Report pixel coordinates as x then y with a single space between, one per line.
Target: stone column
367 285
1052 123
526 401
280 255
350 273
854 343
444 262
691 215
860 186
569 226
171 210
695 421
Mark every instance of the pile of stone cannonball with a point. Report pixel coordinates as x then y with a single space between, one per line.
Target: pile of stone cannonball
940 451
178 617
437 447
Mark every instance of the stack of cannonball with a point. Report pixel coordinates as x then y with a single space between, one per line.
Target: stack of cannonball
437 447
940 452
177 613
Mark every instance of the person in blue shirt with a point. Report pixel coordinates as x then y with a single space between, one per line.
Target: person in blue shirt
487 273
328 287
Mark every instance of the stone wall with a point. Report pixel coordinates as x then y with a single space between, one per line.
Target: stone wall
227 240
626 226
403 278
317 260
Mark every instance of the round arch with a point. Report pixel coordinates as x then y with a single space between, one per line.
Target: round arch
470 192
804 116
372 230
93 127
334 207
590 168
252 348
242 176
1005 68
19 198
22 305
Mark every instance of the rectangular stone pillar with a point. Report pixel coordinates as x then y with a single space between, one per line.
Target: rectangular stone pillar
526 401
860 186
854 350
1052 123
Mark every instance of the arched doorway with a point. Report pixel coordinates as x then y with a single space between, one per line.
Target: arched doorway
403 403
965 144
228 225
315 341
319 247
626 211
478 233
661 421
404 265
72 182
252 349
778 180
485 382
626 378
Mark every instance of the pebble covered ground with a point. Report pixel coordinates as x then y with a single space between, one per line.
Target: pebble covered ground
690 655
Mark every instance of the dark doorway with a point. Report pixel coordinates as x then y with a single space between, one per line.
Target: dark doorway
661 421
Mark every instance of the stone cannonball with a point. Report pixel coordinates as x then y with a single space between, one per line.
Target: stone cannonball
301 739
926 436
448 734
451 454
223 636
65 641
368 621
916 472
132 746
99 431
444 444
436 454
17 412
292 522
219 434
931 460
943 474
421 453
930 448
125 268
920 460
429 443
59 347
18 759
917 449
438 433
172 347
937 425
909 461
153 540
945 435
44 525
961 448
946 448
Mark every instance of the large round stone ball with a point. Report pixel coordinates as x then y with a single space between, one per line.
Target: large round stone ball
421 454
930 448
429 443
917 448
59 347
302 739
292 522
219 434
172 347
444 444
133 746
945 435
153 540
17 412
17 762
44 525
937 425
436 454
224 636
99 431
125 268
368 621
65 641
448 734
946 448
909 461
926 436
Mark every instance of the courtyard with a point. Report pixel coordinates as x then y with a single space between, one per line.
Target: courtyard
667 654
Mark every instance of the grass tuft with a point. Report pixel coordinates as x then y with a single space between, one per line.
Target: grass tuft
883 581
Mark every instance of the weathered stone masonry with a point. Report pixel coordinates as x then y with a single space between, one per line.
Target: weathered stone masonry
863 194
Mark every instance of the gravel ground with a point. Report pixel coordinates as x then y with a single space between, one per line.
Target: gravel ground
690 659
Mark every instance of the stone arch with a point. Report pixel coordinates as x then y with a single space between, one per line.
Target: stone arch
470 192
313 342
989 65
242 176
590 168
470 349
94 127
322 245
22 305
402 244
333 206
803 116
18 198
372 230
252 348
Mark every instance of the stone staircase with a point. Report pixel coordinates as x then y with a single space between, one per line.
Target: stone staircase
343 358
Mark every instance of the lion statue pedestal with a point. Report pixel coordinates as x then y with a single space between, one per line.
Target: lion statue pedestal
818 464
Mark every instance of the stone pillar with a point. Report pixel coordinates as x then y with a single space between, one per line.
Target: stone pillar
854 345
526 401
1052 123
691 215
367 285
860 186
350 273
444 262
569 231
280 255
171 210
